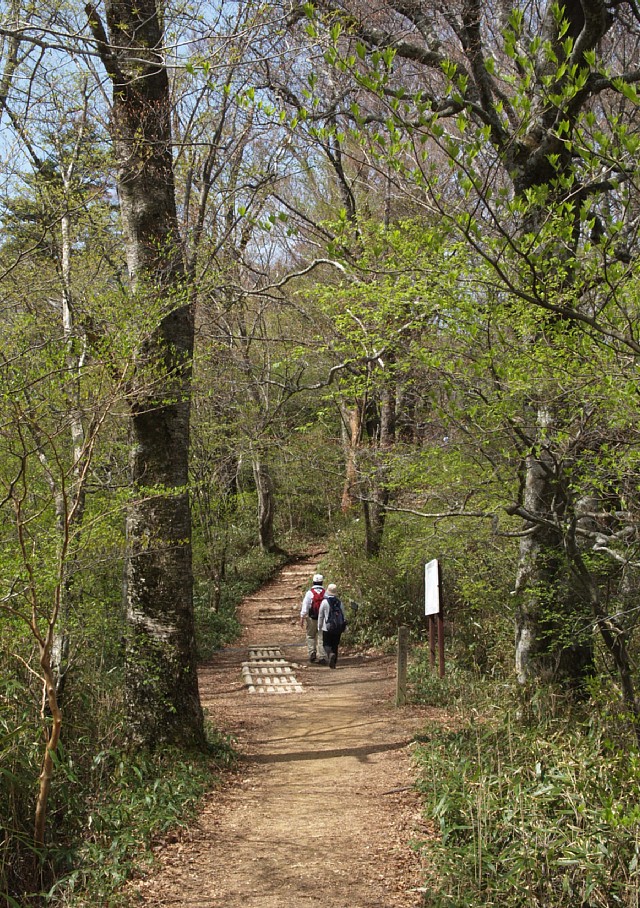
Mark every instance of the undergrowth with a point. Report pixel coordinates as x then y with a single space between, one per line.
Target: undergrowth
220 626
107 804
528 815
139 799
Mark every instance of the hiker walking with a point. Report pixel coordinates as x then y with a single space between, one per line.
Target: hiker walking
331 624
309 619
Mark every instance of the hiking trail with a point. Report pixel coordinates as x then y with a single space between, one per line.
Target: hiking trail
322 809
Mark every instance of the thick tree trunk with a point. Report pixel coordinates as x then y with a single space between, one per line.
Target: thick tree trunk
613 634
533 572
161 682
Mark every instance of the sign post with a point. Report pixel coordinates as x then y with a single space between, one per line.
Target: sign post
401 676
433 610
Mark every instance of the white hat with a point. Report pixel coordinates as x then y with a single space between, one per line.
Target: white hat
318 578
331 589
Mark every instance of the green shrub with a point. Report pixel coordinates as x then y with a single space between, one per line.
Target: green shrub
19 765
136 799
530 817
381 593
308 472
389 589
214 628
217 627
458 689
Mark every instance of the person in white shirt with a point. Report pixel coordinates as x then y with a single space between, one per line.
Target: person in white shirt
331 624
309 619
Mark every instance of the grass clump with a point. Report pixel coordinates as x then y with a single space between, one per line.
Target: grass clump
530 816
138 800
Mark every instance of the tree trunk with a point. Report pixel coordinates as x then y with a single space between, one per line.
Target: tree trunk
162 697
613 634
546 646
266 504
374 518
351 435
374 505
53 727
61 641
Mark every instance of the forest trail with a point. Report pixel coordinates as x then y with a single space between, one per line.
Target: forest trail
322 809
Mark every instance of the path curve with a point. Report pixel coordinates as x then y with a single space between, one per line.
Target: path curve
322 811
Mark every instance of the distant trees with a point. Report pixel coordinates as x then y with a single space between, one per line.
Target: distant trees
44 478
57 398
501 124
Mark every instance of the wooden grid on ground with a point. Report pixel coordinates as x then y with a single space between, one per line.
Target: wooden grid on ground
268 672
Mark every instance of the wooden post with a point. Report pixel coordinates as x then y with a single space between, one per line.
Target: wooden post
403 649
440 625
432 640
433 608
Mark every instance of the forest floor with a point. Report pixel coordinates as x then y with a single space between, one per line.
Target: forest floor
322 809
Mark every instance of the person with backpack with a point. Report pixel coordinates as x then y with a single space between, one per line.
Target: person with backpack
309 618
331 624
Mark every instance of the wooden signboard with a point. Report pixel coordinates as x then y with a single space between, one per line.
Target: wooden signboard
433 608
431 587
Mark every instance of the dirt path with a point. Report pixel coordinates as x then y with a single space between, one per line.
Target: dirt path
322 810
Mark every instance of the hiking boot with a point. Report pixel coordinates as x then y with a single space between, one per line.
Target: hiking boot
332 660
322 661
312 657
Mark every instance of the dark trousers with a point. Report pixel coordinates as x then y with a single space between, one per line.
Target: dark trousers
331 642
